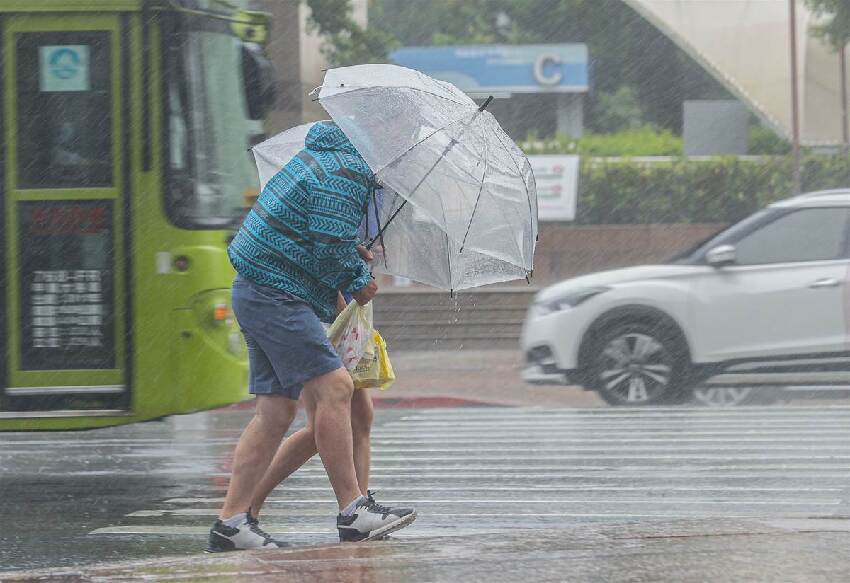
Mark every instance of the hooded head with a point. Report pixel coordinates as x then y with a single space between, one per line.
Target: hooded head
326 136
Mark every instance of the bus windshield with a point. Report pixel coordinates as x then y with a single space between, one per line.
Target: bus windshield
208 133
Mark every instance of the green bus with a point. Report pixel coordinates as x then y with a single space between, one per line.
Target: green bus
123 168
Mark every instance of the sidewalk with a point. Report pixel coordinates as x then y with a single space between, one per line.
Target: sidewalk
682 551
486 376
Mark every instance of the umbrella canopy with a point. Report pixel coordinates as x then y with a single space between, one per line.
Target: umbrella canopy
417 248
461 197
274 153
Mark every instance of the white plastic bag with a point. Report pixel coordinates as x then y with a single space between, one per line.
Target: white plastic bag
351 333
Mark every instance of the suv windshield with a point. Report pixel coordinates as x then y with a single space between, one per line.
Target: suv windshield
208 167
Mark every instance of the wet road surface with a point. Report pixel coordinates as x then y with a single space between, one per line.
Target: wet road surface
759 490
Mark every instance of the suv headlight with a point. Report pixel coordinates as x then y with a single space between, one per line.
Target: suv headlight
567 301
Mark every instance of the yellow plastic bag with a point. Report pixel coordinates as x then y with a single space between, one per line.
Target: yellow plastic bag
374 371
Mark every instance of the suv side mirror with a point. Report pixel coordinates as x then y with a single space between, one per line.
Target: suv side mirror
258 76
721 256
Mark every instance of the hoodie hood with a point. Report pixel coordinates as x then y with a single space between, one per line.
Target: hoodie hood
326 136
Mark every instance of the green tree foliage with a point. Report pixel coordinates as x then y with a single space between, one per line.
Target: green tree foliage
348 43
617 110
835 27
764 141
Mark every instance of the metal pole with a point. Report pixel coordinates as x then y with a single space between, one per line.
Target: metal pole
845 131
795 105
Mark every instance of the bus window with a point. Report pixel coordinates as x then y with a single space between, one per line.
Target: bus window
209 167
64 110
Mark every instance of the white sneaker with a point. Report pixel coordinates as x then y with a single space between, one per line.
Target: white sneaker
372 521
247 535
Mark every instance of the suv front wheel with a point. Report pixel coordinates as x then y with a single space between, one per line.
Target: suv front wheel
639 364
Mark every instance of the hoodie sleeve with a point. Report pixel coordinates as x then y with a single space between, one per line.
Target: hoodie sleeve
333 232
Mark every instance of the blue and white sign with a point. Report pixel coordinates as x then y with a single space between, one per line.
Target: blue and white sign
502 69
65 68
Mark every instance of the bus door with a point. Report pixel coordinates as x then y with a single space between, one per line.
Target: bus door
63 204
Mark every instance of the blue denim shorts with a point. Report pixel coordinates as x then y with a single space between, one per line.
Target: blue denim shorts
287 344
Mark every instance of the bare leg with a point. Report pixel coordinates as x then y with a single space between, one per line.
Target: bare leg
296 450
329 396
299 447
361 427
256 447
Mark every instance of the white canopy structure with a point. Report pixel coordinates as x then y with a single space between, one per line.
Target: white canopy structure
745 45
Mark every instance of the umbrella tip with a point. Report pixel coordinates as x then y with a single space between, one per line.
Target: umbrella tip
486 103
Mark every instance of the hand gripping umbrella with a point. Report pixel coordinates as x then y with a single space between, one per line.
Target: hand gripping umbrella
459 204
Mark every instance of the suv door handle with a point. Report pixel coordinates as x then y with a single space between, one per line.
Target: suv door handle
825 282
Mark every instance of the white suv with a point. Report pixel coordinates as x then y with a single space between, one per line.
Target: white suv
770 288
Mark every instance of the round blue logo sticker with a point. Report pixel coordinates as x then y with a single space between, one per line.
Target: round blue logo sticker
65 63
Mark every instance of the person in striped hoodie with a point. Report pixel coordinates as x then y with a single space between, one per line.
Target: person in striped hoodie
295 251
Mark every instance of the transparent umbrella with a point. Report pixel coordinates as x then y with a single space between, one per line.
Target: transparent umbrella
460 205
416 247
276 152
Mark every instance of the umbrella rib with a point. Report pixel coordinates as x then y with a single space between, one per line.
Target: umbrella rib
442 156
478 198
423 140
519 171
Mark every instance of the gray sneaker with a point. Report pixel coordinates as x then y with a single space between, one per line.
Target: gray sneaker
371 521
247 535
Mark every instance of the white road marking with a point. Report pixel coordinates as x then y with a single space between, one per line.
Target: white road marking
213 512
531 432
551 488
472 411
659 462
378 450
663 476
532 457
418 531
446 501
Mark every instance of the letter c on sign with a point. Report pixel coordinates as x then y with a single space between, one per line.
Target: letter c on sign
539 66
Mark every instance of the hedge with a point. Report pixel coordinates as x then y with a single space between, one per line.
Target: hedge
640 141
719 190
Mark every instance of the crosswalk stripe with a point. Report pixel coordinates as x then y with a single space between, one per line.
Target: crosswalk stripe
213 512
532 432
579 464
591 412
447 501
504 477
549 488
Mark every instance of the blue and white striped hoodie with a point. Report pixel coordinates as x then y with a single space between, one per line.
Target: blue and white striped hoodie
301 234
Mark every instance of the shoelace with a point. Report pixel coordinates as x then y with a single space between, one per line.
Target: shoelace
254 525
374 506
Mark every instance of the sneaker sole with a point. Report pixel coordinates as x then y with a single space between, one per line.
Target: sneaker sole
392 527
